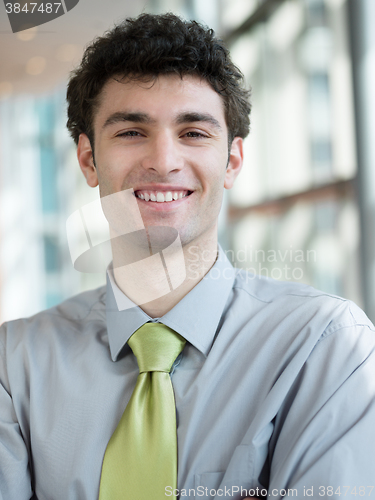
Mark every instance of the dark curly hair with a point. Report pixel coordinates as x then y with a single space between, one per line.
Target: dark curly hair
149 46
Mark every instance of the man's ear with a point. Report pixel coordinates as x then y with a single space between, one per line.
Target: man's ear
86 160
235 162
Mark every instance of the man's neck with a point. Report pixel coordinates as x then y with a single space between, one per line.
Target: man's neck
153 281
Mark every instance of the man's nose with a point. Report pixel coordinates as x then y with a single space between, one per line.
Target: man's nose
163 155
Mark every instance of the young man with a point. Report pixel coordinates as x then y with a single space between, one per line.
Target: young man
269 386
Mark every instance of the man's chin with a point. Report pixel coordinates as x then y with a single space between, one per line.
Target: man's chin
137 245
161 237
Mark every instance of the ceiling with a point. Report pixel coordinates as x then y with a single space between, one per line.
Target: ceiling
37 60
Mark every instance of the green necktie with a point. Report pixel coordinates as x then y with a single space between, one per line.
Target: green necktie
141 456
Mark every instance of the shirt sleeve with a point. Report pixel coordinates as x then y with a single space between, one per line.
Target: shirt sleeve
324 440
15 483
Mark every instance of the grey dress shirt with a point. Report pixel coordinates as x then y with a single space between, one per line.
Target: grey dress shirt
274 389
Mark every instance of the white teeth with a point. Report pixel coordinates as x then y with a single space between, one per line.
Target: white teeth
161 197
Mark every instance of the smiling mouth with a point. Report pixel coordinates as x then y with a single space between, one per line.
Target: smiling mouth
161 196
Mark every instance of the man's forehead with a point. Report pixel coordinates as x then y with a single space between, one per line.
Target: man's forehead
135 91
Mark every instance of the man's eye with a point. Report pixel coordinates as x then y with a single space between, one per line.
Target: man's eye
194 134
129 133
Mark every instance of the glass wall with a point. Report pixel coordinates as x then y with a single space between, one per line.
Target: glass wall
293 210
292 213
41 186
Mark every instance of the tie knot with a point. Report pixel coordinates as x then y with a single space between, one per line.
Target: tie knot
156 347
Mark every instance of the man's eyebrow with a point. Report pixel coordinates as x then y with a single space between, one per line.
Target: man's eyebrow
193 116
121 116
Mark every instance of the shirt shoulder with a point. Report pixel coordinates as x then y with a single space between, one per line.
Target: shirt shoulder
298 301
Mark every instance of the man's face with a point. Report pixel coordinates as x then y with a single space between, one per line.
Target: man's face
165 139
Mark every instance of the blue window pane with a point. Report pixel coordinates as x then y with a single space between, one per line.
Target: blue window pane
48 160
321 152
319 86
51 254
52 299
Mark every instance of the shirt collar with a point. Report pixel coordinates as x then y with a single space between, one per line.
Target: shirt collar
195 317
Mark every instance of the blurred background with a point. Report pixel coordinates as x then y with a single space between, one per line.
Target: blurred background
303 207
